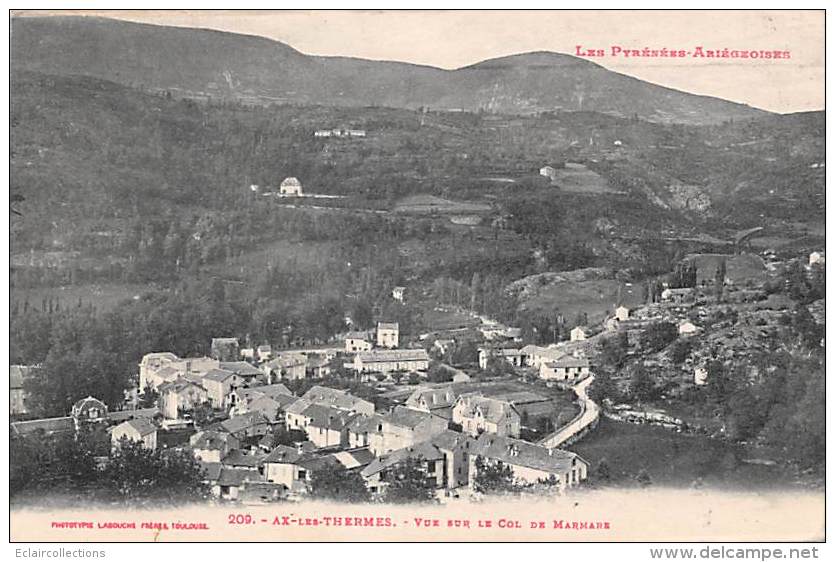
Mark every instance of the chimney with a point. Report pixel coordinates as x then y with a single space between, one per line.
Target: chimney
299 448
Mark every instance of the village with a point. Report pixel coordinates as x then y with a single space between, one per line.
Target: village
262 420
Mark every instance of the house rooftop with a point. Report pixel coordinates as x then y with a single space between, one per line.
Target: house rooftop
334 397
387 355
405 417
210 439
244 421
327 417
364 335
491 409
237 458
425 451
241 368
218 375
521 453
140 425
568 361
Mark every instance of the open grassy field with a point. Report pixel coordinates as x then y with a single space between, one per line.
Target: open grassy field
440 320
597 298
279 253
577 178
428 204
674 459
103 296
739 269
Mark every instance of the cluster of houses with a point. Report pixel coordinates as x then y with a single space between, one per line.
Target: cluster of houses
556 362
333 427
444 430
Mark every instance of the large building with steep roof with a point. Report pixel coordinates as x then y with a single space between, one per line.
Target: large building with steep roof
530 463
477 414
403 427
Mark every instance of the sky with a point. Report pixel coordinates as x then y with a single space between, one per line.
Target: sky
452 39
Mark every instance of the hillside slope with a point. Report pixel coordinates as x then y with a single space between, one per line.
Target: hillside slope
224 65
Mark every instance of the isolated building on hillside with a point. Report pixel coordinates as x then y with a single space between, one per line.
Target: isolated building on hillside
817 258
398 293
548 172
700 376
578 333
622 313
388 334
687 328
139 430
225 349
477 414
290 186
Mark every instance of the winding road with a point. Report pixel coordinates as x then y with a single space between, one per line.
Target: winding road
588 416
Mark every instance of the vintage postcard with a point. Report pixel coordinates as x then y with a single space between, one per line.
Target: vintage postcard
519 276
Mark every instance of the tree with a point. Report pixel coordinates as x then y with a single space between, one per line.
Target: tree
408 482
333 482
439 372
603 387
149 397
203 414
658 336
603 471
613 350
494 478
136 474
680 350
643 478
641 385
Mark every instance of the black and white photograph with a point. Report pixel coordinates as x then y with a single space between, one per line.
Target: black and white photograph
405 275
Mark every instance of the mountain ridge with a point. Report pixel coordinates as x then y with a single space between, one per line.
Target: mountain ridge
230 65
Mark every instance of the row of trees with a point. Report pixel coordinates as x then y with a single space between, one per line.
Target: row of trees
68 466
